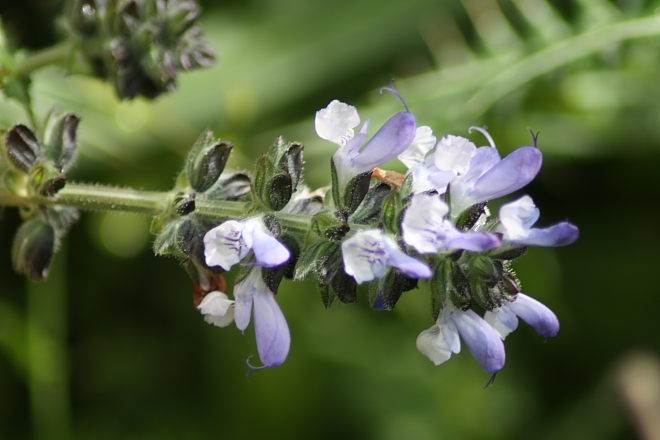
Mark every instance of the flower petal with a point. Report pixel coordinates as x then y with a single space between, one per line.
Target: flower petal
472 241
224 246
408 265
421 222
536 314
336 122
454 153
217 309
271 329
483 340
512 173
364 258
502 319
268 251
518 217
560 234
244 293
393 138
423 142
432 344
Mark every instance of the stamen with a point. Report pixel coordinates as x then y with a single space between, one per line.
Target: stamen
485 133
535 137
491 380
396 93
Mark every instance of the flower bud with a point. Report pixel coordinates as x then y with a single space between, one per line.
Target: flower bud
206 161
60 138
22 148
33 248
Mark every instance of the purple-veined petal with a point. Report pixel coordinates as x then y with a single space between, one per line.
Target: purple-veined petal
393 138
271 329
367 254
421 222
561 234
217 309
268 251
512 173
423 142
536 314
224 245
432 344
364 258
503 320
483 340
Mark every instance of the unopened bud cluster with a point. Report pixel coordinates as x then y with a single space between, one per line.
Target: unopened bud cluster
139 45
38 165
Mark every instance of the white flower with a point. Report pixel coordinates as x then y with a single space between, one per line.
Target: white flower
368 253
517 219
336 122
228 243
441 340
426 229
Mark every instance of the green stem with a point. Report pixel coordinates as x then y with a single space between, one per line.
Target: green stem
35 61
220 210
105 198
102 198
151 203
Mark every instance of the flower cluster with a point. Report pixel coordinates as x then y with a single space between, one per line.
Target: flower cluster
433 226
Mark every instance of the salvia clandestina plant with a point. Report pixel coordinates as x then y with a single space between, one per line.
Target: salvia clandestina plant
390 231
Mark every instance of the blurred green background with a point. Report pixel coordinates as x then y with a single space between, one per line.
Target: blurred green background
111 347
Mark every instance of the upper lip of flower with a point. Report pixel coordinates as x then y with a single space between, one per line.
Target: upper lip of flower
336 123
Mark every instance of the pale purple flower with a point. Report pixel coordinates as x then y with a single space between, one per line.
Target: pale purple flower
440 341
271 329
517 219
228 243
368 253
217 309
426 229
337 122
489 176
505 319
